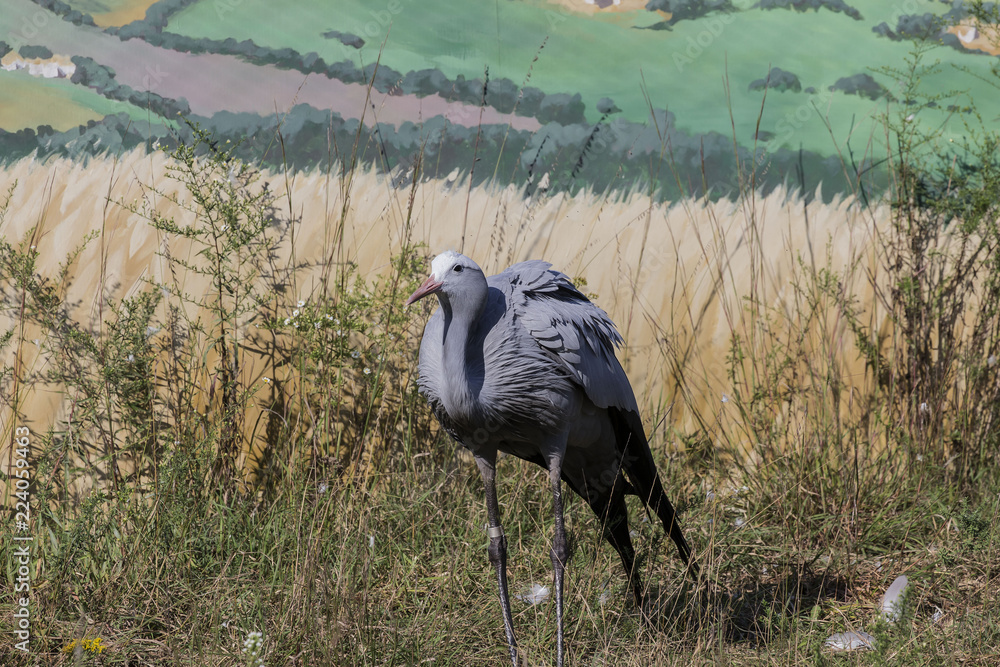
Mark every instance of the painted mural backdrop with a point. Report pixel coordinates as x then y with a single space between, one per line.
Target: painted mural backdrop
672 96
212 213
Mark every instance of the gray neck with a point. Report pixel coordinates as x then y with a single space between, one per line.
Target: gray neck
459 325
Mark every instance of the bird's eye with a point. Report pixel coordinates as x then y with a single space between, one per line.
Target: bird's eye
458 268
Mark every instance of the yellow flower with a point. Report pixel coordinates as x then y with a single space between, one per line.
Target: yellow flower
93 646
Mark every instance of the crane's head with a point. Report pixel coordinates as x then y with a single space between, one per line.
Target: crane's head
451 273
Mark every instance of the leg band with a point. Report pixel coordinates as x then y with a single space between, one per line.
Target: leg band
495 532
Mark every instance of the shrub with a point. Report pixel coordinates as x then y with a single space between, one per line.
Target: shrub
562 108
805 5
102 79
30 52
66 12
345 38
863 85
778 79
683 10
424 82
157 17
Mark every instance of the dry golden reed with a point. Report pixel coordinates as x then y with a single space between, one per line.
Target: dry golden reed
673 276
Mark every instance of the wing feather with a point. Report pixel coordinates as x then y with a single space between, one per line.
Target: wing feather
564 322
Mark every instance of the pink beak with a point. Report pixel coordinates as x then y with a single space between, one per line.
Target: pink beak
429 286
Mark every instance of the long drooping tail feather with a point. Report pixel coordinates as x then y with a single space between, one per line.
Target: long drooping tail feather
639 467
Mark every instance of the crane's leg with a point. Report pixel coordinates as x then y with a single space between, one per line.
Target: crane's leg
498 548
560 554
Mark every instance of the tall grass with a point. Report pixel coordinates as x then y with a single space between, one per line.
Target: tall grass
226 438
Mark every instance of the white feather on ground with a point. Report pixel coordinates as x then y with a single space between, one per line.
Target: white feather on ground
894 599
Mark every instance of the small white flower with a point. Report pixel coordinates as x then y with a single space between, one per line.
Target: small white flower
725 399
295 324
328 317
739 523
301 303
223 228
336 321
355 354
131 357
288 321
254 646
267 380
338 333
323 487
924 408
368 371
920 457
295 313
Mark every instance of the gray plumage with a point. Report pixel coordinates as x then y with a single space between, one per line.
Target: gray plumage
523 363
